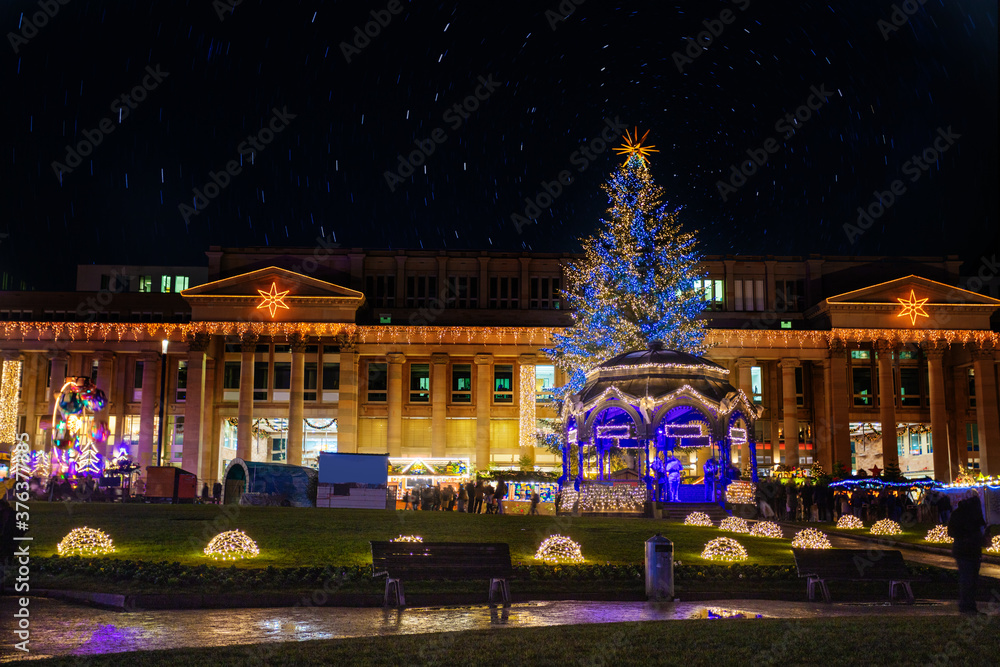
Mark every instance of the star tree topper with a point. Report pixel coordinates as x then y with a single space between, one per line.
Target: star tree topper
633 146
272 300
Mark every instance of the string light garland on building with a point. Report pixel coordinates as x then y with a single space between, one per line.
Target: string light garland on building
527 419
886 527
734 524
741 492
232 545
725 549
85 542
850 522
10 384
767 529
810 538
408 538
559 549
698 519
994 547
939 534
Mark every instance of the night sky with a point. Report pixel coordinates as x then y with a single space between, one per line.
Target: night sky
324 172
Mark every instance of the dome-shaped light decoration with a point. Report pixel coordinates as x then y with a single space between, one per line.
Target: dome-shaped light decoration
767 529
850 522
938 534
734 524
232 545
697 519
85 542
810 538
741 492
559 549
408 538
994 547
725 549
886 527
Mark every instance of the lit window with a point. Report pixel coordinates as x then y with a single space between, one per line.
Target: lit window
785 324
378 382
545 383
756 384
420 383
861 354
461 383
145 283
165 282
181 283
503 384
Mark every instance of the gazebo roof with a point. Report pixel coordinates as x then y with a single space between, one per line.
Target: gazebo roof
657 372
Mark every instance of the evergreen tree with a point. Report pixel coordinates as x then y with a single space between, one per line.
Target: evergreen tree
636 282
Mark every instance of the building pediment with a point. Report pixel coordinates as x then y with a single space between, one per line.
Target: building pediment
273 294
911 302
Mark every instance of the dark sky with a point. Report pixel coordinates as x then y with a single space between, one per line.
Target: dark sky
324 172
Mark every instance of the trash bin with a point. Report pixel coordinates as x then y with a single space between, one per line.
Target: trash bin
659 568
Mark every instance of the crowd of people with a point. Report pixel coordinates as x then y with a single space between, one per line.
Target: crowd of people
822 502
474 498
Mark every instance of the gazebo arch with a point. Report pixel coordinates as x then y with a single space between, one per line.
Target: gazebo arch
670 400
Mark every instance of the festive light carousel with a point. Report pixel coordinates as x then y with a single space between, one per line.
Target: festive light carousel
668 409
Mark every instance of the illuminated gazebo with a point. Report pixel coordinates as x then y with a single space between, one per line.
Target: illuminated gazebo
668 408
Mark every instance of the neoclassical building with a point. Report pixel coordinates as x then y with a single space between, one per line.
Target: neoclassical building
436 357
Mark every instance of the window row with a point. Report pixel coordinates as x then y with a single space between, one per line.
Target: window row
504 292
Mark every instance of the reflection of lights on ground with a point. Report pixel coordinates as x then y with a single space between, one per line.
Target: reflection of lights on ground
720 613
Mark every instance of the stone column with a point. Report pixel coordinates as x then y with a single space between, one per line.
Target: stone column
147 410
347 407
244 423
105 372
57 377
11 372
194 406
934 351
839 392
823 433
211 427
986 410
527 416
887 403
743 365
484 399
790 411
394 427
296 404
439 405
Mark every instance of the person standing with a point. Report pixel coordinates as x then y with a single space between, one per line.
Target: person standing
470 491
406 499
501 491
204 493
217 493
966 527
489 493
463 497
479 493
535 499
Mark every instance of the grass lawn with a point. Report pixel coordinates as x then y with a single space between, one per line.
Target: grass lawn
296 537
833 641
914 534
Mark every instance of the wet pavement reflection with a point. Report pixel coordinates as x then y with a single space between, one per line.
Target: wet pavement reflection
63 629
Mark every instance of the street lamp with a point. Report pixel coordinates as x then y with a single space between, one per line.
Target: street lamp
163 400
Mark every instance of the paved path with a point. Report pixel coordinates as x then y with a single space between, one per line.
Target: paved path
62 629
913 555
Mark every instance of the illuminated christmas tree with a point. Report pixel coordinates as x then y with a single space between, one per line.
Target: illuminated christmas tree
638 281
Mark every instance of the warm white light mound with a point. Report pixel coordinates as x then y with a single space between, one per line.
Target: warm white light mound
994 547
850 522
767 529
724 548
85 542
559 549
810 538
408 538
938 534
886 527
697 519
734 524
231 545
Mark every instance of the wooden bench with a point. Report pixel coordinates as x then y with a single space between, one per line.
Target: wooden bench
822 565
435 561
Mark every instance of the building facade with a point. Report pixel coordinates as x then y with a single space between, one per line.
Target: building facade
278 354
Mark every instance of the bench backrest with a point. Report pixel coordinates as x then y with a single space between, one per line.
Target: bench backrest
850 564
441 560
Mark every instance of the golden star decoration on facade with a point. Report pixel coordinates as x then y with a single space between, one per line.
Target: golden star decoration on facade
272 300
633 146
913 307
